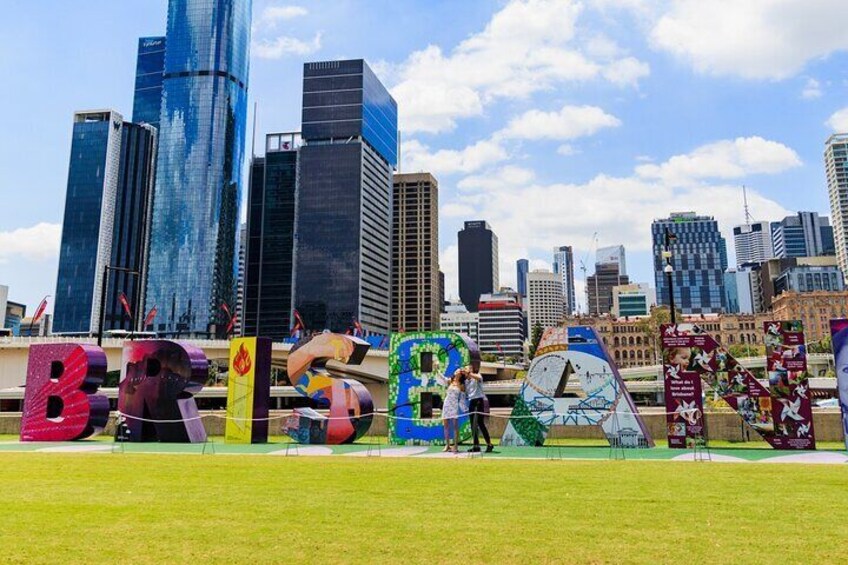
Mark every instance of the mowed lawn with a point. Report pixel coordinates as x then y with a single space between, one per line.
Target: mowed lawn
133 508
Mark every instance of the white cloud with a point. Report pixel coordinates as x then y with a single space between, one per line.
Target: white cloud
272 15
505 178
567 150
38 242
568 123
753 39
418 157
812 90
533 216
726 159
285 45
526 47
838 121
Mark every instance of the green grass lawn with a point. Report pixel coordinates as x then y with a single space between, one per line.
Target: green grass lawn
135 508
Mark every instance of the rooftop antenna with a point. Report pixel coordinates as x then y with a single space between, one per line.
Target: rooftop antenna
745 201
253 142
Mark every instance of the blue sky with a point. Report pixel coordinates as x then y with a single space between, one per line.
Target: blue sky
552 120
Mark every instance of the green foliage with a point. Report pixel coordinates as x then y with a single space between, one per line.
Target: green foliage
824 345
740 350
535 337
650 327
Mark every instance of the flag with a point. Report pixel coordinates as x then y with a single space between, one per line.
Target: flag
299 320
150 316
39 312
126 304
232 317
498 345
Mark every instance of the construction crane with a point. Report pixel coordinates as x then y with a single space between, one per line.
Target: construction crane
592 247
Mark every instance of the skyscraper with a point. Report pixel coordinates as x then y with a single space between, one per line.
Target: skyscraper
699 259
193 259
416 290
269 252
753 242
149 74
544 299
836 169
805 234
599 299
502 324
522 267
478 262
612 254
564 267
106 217
344 206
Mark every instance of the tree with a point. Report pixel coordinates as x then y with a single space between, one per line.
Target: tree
824 345
740 350
535 337
650 327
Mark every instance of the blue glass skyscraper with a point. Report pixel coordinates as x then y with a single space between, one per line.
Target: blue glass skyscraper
522 267
105 223
149 71
344 205
193 259
699 260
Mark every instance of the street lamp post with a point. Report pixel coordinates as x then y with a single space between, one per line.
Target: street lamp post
669 271
102 316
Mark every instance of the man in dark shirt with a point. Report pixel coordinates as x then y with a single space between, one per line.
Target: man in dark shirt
476 406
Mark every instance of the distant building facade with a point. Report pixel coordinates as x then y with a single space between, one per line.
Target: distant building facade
149 76
753 242
699 260
599 287
416 286
563 265
630 300
814 309
502 324
836 169
478 262
544 300
807 278
805 234
457 318
522 267
269 245
343 265
612 254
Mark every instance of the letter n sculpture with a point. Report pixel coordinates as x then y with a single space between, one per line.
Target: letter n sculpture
60 403
541 402
158 381
248 390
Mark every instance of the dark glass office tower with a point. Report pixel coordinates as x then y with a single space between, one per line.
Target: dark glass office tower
149 71
344 205
106 213
133 202
193 259
522 267
270 243
478 263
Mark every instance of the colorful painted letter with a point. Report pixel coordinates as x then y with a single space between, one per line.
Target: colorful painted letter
249 390
782 416
418 364
540 403
839 342
60 403
349 402
158 379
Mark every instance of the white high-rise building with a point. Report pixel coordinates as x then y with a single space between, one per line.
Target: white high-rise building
753 242
544 299
457 318
836 169
501 324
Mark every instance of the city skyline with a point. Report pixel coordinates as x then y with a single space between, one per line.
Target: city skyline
541 134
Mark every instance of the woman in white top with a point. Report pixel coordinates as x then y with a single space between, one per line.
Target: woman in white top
451 408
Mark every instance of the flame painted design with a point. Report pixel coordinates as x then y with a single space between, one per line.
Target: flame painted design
242 362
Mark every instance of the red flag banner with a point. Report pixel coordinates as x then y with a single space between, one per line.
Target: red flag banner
126 304
150 317
39 312
299 320
232 323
